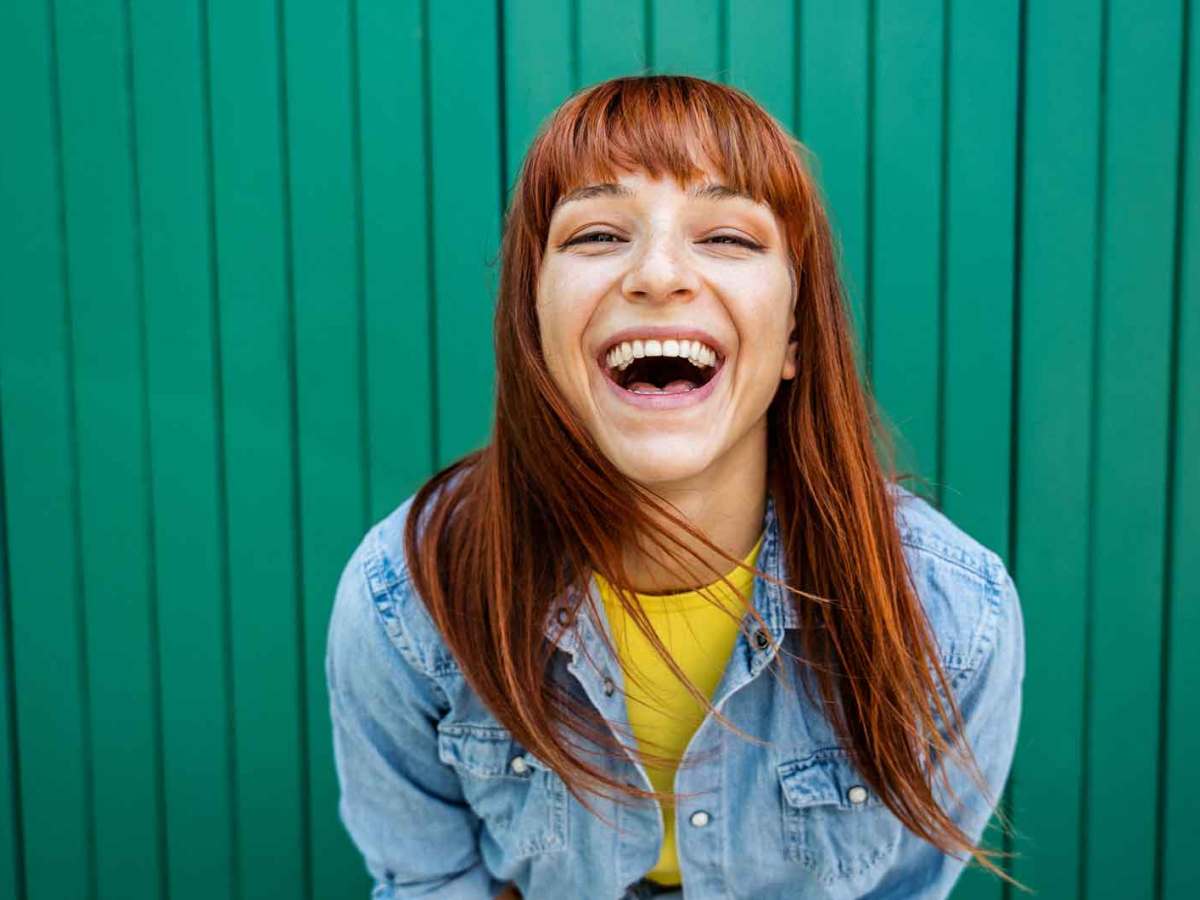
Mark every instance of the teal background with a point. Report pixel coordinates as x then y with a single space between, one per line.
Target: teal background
247 269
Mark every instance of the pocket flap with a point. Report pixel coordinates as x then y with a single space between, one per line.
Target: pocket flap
485 752
827 777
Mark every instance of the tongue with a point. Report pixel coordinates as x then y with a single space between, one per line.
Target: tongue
675 387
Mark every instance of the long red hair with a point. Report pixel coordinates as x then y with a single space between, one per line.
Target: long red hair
495 539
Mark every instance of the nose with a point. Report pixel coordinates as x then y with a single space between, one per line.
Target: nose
660 271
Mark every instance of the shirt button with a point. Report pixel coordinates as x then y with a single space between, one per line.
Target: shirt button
699 818
564 616
609 687
762 640
857 794
518 765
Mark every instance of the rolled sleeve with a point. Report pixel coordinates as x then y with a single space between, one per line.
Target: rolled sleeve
402 807
990 702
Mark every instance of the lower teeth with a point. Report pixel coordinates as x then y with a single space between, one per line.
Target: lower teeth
643 387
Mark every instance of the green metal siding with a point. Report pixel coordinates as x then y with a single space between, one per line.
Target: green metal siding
249 260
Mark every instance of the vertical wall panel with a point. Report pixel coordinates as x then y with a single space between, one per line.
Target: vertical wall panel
322 178
538 74
41 489
103 281
253 261
688 37
906 328
396 249
834 122
761 55
323 187
23 234
1180 784
980 257
170 109
10 835
466 168
983 42
1059 245
1131 420
612 39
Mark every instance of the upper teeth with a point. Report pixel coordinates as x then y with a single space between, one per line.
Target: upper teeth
697 352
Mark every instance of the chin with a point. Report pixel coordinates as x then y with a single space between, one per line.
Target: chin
660 464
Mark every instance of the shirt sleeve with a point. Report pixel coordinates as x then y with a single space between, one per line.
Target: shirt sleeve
991 706
402 807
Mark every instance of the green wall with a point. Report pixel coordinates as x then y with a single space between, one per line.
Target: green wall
247 264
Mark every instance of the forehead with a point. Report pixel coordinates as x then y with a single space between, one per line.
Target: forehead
702 190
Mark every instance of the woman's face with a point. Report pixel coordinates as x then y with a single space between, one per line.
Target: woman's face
631 268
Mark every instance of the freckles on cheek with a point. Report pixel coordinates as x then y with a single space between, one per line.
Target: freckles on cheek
564 308
556 339
562 288
554 299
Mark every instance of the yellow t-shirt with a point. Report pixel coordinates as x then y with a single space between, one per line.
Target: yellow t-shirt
700 638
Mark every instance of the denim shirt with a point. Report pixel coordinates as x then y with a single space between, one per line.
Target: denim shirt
442 801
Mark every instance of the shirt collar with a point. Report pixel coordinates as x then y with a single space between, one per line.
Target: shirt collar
770 600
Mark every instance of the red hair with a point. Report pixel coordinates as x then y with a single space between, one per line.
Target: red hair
494 539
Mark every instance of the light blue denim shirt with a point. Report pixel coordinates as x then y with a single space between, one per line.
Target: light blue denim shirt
442 801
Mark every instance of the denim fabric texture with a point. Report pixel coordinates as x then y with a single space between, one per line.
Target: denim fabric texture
442 801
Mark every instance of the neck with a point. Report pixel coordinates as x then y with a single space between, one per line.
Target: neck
726 502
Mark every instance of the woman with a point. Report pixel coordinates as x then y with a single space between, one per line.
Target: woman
676 629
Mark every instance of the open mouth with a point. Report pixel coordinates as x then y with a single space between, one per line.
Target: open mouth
661 375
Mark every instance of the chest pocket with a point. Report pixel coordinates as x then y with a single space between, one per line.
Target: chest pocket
834 824
522 802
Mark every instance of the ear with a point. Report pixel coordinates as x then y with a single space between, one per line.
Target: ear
793 348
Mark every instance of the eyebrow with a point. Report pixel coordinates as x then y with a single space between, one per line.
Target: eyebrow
705 191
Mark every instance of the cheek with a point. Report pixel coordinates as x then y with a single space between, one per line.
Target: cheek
552 344
566 298
762 347
561 322
762 323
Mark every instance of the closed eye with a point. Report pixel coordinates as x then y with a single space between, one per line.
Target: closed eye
737 240
590 236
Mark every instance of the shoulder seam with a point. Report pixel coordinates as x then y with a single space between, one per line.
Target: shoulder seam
984 632
389 584
385 585
987 634
909 538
